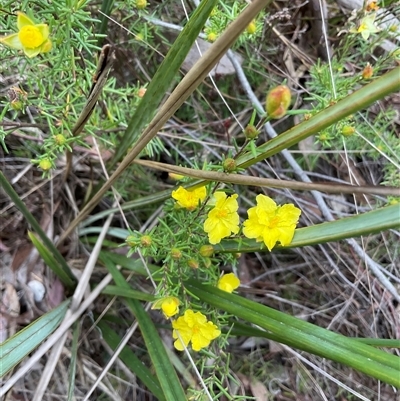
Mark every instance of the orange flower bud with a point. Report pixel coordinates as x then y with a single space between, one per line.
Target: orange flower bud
278 101
367 71
141 92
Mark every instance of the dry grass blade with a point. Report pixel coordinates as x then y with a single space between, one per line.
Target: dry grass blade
270 182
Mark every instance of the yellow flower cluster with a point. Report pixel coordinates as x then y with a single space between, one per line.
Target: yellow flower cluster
193 327
32 38
266 222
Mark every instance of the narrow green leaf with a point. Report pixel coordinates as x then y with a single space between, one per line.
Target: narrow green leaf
51 261
72 366
128 293
165 75
21 344
132 361
349 227
303 335
165 371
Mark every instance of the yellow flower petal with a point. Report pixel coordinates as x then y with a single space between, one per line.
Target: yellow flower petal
228 282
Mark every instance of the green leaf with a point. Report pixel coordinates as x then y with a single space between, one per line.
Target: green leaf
165 371
51 261
21 344
349 227
303 335
128 293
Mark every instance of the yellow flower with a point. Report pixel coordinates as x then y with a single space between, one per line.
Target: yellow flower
169 306
228 282
367 26
31 38
223 219
189 199
271 223
194 327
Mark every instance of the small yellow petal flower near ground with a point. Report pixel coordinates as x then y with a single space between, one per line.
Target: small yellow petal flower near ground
228 282
169 306
189 199
32 38
367 26
271 223
223 219
193 327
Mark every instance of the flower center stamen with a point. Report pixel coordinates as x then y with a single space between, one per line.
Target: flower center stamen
30 36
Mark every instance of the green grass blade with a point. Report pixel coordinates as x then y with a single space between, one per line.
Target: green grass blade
378 220
17 347
51 261
164 76
165 371
72 366
128 293
36 226
303 335
132 361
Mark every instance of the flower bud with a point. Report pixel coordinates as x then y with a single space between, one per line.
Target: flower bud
60 139
45 164
367 71
251 132
193 263
206 251
141 4
278 101
17 105
131 241
251 28
229 165
146 241
176 253
141 92
207 262
212 37
176 177
348 130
